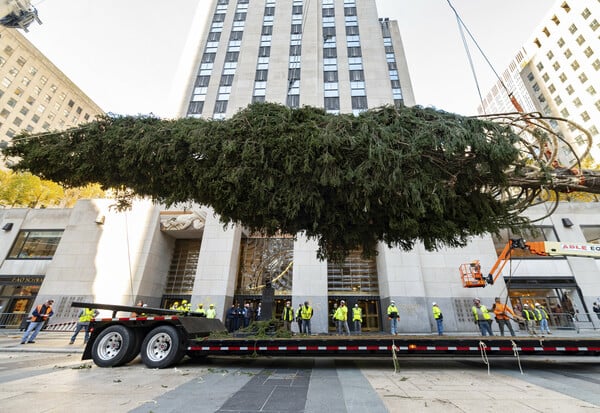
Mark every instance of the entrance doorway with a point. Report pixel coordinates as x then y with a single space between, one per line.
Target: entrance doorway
370 312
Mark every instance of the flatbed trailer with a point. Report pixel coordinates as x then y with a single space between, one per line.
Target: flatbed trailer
163 338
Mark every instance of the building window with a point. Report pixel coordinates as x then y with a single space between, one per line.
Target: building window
196 108
221 106
332 103
37 245
359 102
293 101
182 272
355 275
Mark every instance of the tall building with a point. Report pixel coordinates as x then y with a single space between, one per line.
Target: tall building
35 95
332 54
557 73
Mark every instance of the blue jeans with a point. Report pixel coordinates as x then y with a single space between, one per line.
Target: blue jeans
394 325
440 326
306 326
544 325
78 329
35 327
357 327
484 327
342 325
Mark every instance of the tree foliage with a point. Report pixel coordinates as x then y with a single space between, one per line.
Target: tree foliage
397 176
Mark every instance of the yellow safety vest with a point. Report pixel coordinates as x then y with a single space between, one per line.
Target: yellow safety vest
306 312
86 315
357 314
484 312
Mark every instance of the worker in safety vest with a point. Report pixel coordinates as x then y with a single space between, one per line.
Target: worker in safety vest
502 312
211 312
287 316
341 318
530 318
175 306
200 310
306 313
393 316
542 317
482 317
357 319
438 317
185 306
85 317
39 316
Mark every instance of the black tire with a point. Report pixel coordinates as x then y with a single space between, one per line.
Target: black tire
112 346
162 347
134 349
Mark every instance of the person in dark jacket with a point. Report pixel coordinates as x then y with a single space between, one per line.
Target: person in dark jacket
39 316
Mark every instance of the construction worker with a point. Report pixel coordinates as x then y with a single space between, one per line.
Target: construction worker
502 312
306 313
393 316
211 312
39 316
341 318
298 318
542 317
185 306
175 306
438 317
287 316
482 317
200 310
357 319
530 318
85 317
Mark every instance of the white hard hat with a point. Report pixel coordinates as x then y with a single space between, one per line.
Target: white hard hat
537 304
434 303
392 302
525 305
476 299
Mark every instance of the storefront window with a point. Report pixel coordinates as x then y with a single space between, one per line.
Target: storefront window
37 245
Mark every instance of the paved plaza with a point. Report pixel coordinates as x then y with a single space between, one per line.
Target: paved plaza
49 376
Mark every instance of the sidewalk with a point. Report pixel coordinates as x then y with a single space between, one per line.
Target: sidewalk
45 342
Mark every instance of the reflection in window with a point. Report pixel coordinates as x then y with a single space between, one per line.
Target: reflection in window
263 259
182 272
35 245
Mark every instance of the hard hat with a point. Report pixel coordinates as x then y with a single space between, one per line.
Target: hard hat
342 301
212 305
183 301
176 302
200 305
525 305
392 302
434 303
537 304
355 305
475 300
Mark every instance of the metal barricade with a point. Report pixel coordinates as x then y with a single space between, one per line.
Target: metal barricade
586 321
13 320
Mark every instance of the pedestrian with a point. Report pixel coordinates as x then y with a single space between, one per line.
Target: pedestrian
542 316
287 316
230 318
258 311
357 319
200 310
85 316
39 316
247 312
438 317
306 313
341 318
211 312
502 311
482 317
596 309
140 303
239 317
298 318
393 316
530 318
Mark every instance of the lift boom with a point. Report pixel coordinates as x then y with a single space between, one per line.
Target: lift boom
471 275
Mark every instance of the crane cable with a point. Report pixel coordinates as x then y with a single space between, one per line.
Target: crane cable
461 26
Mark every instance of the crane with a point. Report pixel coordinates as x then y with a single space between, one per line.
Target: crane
17 14
472 277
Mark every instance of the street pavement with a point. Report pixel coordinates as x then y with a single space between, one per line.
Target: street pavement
49 376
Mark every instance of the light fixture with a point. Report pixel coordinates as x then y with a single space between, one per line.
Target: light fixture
7 227
100 219
567 223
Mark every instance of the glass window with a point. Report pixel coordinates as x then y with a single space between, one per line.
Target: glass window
330 76
35 244
354 276
359 102
544 233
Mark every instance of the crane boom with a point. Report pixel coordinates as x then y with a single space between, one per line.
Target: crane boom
471 272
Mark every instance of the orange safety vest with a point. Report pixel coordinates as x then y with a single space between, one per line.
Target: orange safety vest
42 317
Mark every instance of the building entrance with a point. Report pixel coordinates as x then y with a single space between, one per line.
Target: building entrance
17 295
370 312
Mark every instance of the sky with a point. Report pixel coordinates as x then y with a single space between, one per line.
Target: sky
129 55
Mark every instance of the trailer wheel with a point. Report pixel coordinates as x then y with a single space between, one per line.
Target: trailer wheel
134 348
112 346
162 347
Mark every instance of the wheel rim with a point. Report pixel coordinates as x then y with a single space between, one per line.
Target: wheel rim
159 347
110 346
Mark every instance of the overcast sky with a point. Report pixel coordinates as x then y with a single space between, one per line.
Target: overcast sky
125 53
